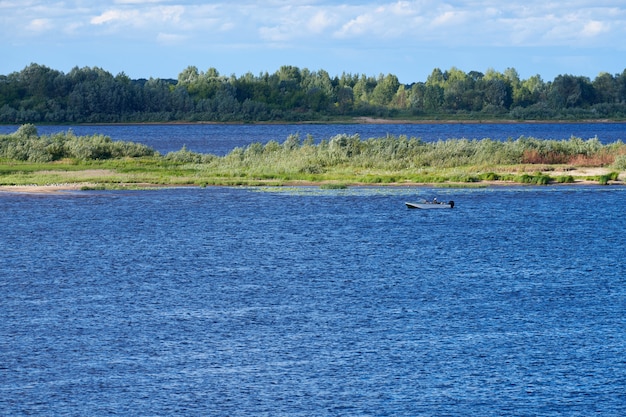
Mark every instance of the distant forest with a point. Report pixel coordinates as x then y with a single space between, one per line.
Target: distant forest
39 94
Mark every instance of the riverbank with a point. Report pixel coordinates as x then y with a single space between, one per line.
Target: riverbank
580 176
351 120
382 121
97 162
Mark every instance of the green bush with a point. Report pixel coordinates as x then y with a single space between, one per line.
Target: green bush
538 179
604 179
489 176
565 179
26 145
620 162
186 156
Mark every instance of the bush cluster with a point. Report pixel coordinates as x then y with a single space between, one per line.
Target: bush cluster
26 145
402 153
375 160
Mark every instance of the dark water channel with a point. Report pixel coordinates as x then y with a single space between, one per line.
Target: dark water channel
219 139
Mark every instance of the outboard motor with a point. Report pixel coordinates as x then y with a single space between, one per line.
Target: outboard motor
451 204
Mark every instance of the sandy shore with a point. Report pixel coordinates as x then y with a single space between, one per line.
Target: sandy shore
40 189
60 188
580 174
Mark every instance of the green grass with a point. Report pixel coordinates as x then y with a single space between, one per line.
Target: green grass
26 158
126 172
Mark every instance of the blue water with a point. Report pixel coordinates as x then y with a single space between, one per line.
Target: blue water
308 302
220 139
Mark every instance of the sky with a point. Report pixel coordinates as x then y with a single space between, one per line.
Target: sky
160 38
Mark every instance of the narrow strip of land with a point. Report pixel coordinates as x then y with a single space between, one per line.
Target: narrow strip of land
581 176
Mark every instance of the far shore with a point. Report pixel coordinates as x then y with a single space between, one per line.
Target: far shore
356 120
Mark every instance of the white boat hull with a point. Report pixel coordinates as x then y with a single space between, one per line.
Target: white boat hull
427 206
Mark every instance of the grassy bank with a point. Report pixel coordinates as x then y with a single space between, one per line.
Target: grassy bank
96 161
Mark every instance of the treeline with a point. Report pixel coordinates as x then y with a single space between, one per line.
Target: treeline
39 94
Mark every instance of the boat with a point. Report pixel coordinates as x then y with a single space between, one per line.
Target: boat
431 205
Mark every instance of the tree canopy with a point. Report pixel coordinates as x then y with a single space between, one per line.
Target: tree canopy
38 94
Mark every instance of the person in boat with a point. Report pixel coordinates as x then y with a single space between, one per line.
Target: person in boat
435 200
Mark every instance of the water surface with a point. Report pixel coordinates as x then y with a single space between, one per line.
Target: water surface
219 139
301 302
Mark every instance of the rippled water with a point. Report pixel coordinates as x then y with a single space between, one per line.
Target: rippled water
309 302
219 139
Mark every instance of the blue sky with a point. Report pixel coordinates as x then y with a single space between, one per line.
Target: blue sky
160 38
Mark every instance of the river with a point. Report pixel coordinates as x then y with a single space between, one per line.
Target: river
219 139
297 301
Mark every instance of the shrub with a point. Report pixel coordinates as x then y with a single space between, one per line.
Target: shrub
463 178
26 145
604 179
27 131
565 179
542 179
538 178
184 155
489 176
620 162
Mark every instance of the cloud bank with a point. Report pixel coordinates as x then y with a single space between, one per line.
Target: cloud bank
340 29
528 23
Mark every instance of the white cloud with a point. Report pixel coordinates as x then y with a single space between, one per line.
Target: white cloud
137 1
319 22
594 28
111 16
297 20
39 25
273 34
170 38
450 17
356 26
140 18
324 22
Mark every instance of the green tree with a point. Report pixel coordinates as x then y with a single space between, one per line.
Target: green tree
385 89
569 91
345 99
458 90
620 81
401 98
436 78
416 97
531 91
497 93
606 88
433 98
318 88
188 76
363 89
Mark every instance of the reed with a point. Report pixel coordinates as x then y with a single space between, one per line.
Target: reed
343 159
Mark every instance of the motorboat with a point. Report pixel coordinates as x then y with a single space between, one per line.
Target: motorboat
431 205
